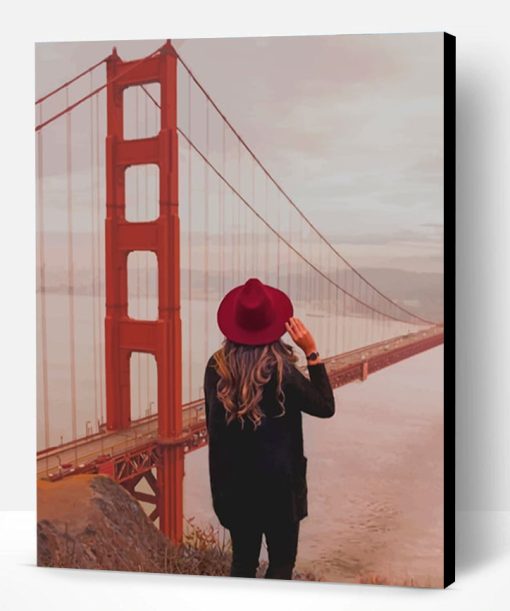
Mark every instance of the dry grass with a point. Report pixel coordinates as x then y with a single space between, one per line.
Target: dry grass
392 580
214 552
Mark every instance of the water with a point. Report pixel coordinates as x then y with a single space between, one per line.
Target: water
200 337
375 468
375 478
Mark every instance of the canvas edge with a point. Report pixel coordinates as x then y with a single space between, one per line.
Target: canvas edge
449 307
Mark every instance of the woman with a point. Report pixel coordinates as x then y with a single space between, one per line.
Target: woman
254 397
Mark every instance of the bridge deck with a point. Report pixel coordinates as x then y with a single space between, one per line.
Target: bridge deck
82 454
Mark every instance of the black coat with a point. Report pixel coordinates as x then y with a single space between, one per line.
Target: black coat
260 475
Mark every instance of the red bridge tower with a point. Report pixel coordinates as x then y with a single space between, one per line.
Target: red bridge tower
125 335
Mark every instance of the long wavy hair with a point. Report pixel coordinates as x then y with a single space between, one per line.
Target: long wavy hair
244 370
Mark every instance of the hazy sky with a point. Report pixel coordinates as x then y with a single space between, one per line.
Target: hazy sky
351 127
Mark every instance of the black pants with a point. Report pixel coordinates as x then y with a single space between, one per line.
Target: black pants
282 543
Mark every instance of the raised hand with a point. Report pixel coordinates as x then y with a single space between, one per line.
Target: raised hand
301 335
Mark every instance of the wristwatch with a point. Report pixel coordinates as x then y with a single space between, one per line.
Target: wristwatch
312 356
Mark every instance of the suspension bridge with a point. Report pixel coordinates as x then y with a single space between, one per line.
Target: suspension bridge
150 206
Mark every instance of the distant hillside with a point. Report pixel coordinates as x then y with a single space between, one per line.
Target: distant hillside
421 292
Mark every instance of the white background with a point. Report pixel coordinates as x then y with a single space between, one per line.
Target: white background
483 410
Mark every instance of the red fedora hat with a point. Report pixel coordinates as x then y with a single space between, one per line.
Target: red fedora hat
254 313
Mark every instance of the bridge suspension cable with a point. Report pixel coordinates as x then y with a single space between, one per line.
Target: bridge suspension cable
80 101
70 82
277 233
324 240
245 145
288 198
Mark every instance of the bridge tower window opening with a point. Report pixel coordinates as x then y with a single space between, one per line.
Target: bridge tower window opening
142 272
137 121
142 192
144 385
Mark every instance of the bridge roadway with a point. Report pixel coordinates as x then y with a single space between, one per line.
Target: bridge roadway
86 453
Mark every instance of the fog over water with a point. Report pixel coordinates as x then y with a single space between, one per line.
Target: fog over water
200 337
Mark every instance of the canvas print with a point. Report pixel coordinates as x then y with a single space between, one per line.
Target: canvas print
243 246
